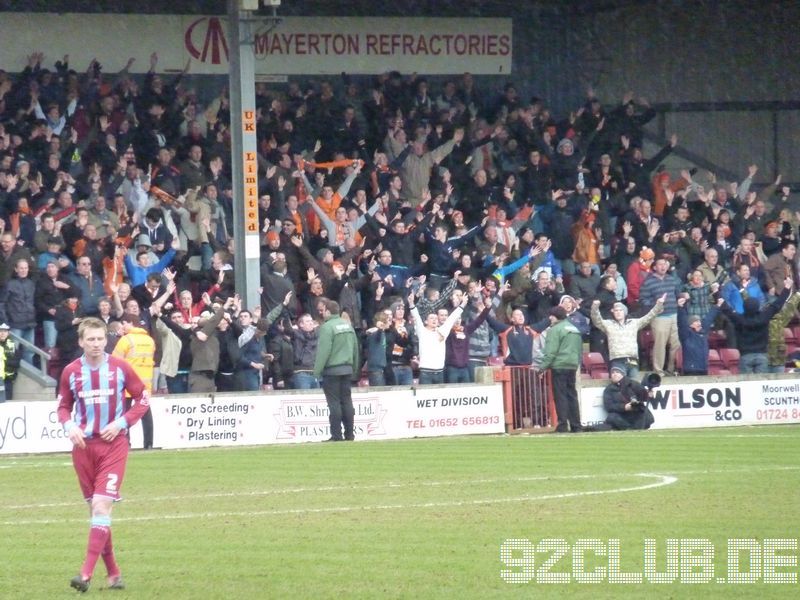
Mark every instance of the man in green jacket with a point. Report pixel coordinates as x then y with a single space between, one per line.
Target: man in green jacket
337 363
562 355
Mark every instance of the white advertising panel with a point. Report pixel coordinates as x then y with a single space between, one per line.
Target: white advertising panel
252 419
298 45
714 404
33 427
289 418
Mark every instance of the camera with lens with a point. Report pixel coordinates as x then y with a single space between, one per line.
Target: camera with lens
649 382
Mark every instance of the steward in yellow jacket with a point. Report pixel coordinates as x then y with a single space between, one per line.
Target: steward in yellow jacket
138 348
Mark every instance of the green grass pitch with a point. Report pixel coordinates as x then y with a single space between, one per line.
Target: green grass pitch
419 518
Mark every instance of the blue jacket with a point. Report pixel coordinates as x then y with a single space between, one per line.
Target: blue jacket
89 295
138 274
46 257
732 294
376 350
694 345
503 272
550 264
441 260
250 352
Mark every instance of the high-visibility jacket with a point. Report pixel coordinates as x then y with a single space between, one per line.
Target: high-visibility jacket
138 348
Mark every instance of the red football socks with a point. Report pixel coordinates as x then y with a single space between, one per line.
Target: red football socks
98 536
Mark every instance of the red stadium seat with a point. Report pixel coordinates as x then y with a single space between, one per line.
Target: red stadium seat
717 339
714 360
679 360
646 345
730 358
600 375
716 370
593 361
495 361
790 336
56 364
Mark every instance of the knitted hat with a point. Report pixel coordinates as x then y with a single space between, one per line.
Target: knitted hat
566 297
646 254
622 307
617 368
564 143
694 319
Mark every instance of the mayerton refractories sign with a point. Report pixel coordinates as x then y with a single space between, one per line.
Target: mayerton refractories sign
297 46
276 418
713 404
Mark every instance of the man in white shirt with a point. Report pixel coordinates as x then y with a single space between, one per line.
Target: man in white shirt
432 346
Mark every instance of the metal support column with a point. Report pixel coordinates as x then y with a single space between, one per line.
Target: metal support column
244 164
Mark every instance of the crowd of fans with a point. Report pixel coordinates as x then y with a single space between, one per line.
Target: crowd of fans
447 223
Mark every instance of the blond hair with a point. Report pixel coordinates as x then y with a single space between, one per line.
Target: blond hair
91 323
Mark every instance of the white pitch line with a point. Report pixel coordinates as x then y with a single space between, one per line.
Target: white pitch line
662 480
23 465
727 435
392 485
329 488
739 470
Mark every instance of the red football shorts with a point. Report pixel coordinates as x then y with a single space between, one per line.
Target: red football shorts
101 466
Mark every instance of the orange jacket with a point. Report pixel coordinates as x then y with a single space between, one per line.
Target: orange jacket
585 240
659 193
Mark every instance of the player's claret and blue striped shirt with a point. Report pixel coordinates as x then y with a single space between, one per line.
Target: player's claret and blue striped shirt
97 395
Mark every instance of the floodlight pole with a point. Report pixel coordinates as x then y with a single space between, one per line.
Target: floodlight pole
244 158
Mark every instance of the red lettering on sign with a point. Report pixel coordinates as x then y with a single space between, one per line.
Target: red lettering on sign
214 42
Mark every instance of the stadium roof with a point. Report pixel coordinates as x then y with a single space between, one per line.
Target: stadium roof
333 7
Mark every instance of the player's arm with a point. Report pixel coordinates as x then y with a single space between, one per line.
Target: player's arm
66 400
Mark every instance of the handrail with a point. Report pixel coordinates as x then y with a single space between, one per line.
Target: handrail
44 356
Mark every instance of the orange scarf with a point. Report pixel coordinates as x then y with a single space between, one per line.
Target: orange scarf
113 269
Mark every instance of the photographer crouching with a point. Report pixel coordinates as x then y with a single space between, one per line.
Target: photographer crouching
625 401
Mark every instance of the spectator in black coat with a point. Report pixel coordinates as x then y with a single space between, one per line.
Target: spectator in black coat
752 330
625 401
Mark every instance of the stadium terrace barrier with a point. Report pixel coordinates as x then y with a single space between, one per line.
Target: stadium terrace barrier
527 397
